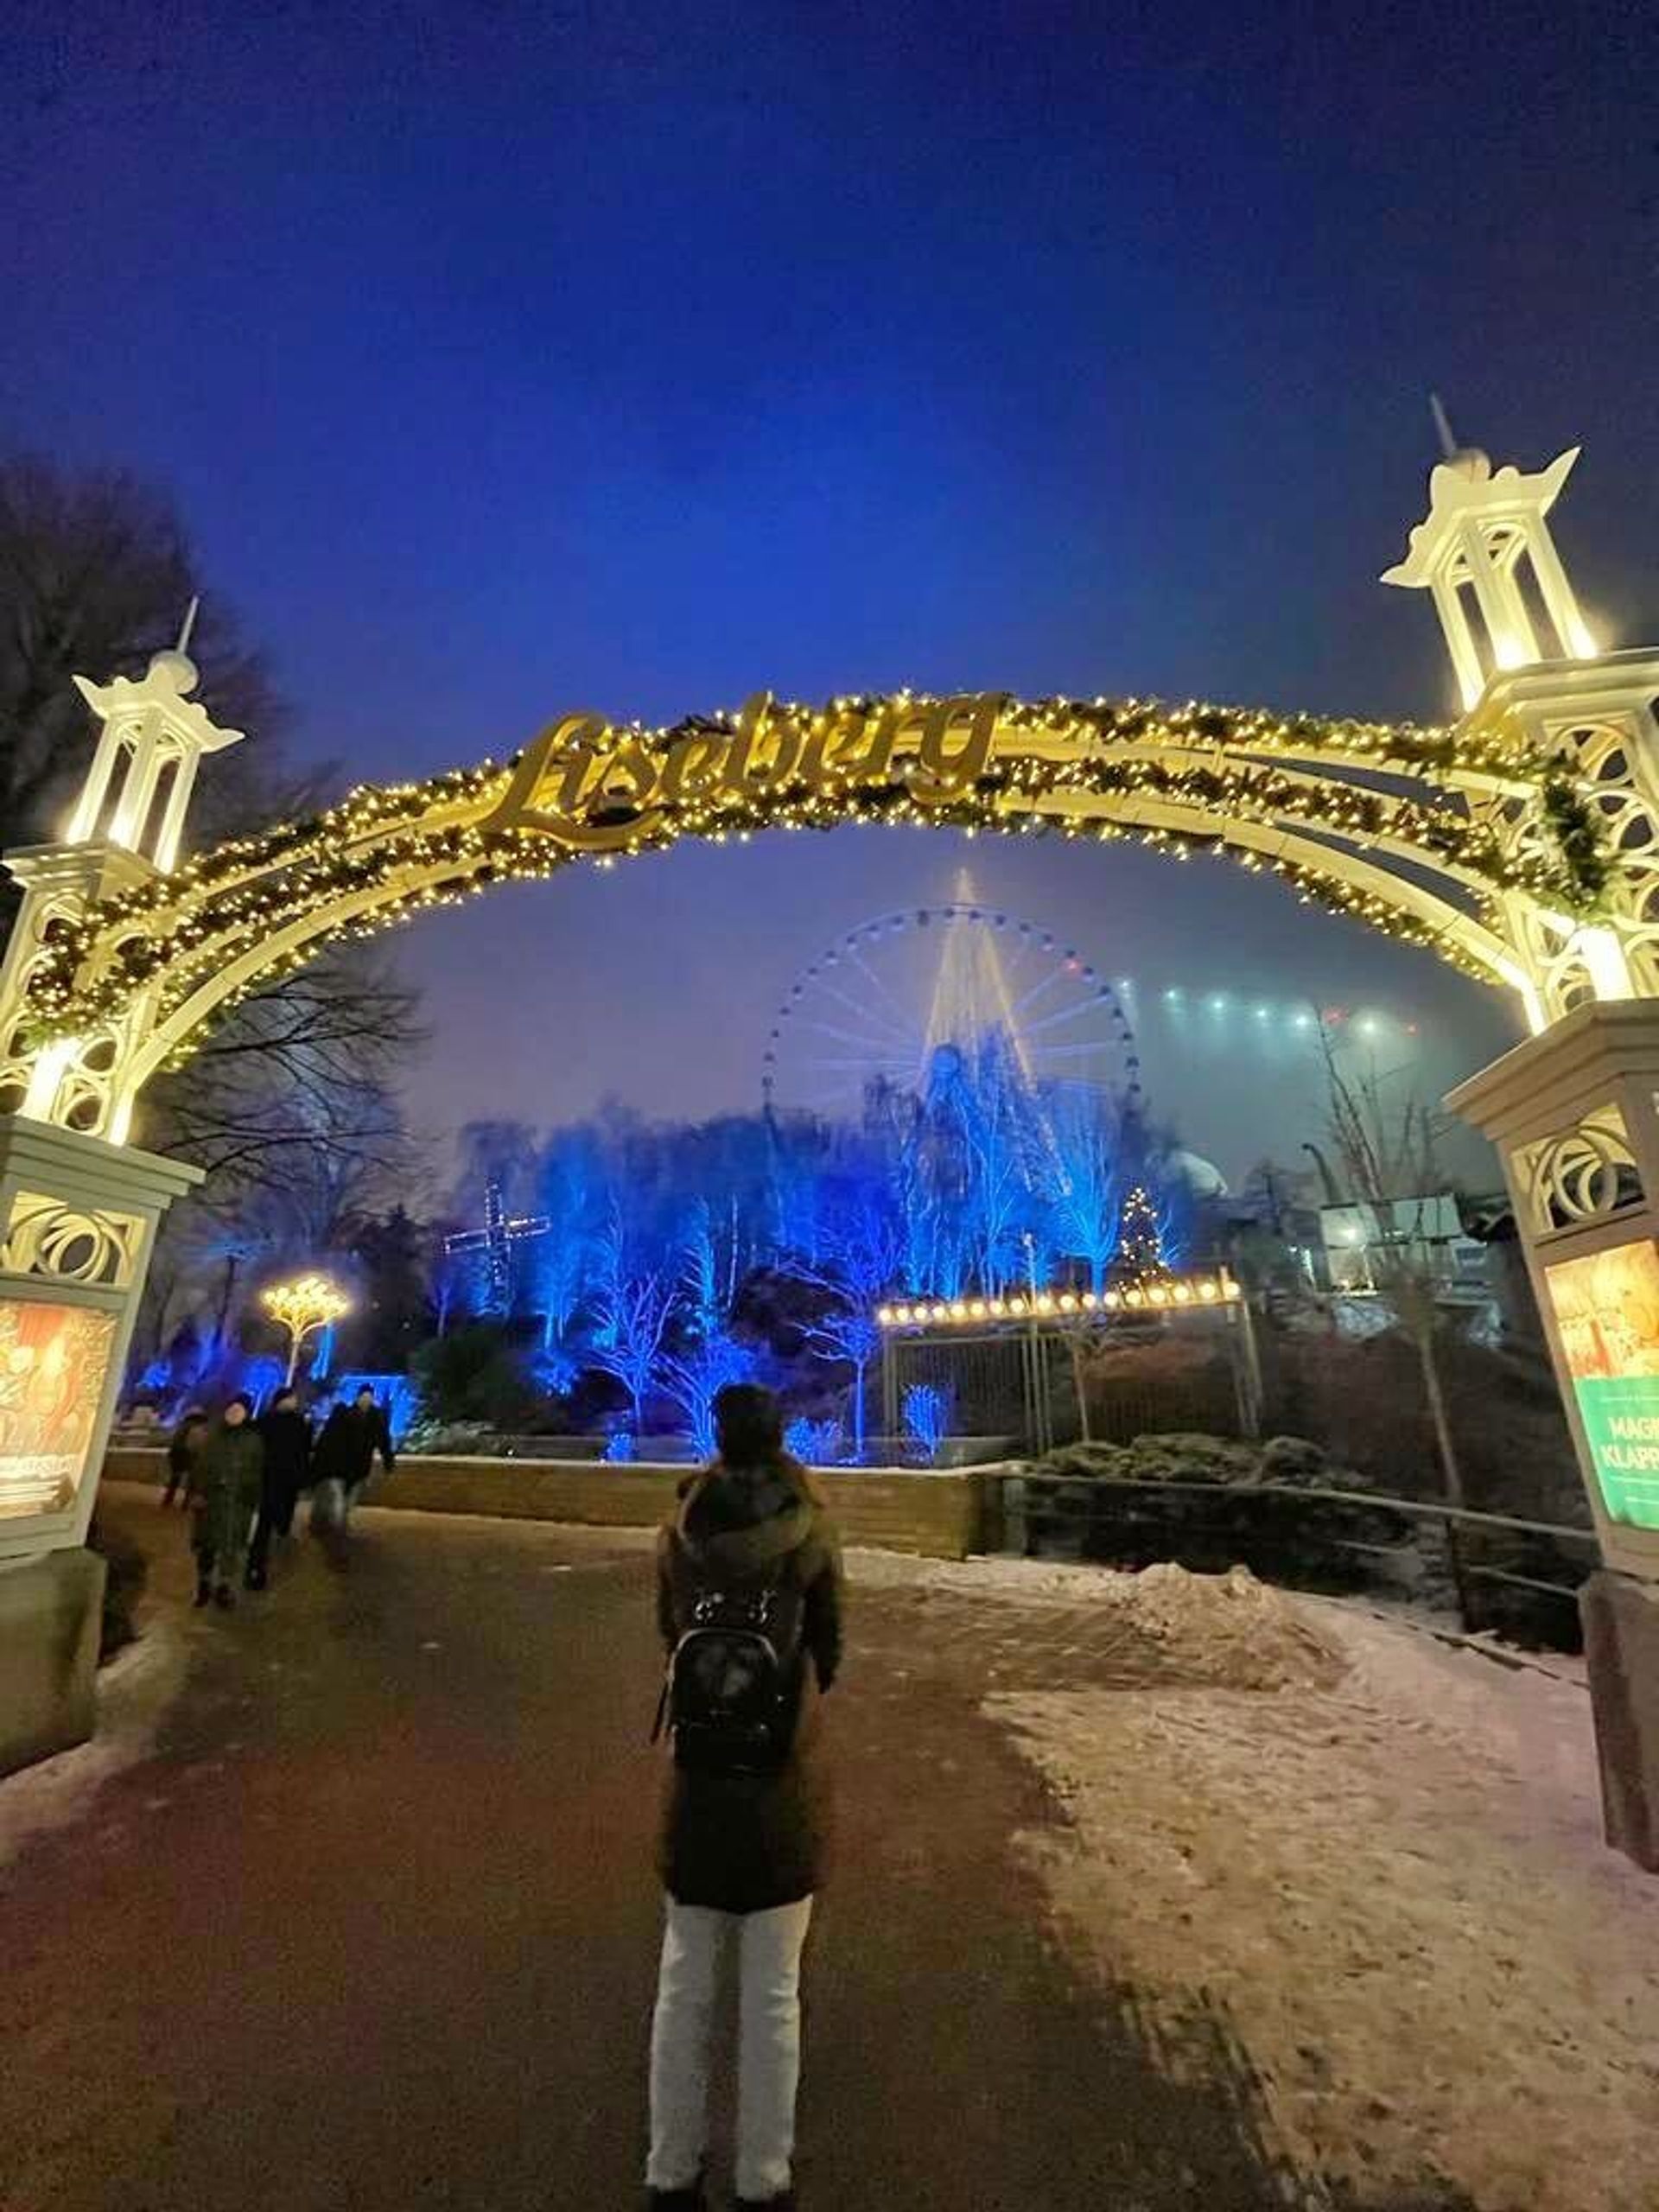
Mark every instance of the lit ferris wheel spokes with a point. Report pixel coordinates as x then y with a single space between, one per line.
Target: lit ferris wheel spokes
880 1002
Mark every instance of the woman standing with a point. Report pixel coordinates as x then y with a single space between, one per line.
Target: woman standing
748 1605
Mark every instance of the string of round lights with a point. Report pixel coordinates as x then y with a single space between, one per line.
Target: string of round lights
1173 1293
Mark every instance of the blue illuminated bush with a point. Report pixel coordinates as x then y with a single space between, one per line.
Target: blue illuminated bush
819 1443
927 1416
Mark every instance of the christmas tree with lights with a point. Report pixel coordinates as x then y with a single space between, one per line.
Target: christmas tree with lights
1140 1257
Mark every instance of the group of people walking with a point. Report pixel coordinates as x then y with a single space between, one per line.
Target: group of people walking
242 1478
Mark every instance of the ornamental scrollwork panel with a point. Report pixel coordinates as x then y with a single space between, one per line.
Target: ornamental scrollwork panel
1584 1175
44 1236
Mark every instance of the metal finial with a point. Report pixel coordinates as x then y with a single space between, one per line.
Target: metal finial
188 624
1443 428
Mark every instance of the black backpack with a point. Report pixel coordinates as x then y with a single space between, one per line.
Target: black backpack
734 1689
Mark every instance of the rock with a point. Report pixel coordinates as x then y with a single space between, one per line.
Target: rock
1296 1462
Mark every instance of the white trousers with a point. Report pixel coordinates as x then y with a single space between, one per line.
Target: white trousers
769 2045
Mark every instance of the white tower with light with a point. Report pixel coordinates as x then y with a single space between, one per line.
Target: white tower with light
154 729
1482 547
125 830
1525 660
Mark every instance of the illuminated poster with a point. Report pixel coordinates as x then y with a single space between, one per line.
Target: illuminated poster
1607 1306
54 1360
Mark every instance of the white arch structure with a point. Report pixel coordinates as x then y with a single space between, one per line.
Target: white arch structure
1487 842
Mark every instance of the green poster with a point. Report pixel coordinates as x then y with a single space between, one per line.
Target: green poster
1607 1309
1621 1422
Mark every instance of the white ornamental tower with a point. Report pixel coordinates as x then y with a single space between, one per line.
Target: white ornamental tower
154 730
125 830
1486 540
1525 659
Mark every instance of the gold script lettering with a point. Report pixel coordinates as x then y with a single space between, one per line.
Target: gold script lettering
946 773
518 809
695 766
858 744
764 751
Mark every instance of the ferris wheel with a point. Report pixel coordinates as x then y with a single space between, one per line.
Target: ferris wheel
880 1003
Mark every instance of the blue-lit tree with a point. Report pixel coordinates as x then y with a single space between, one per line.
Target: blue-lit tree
1089 1199
699 1277
557 1263
634 1242
852 1335
697 1379
635 1321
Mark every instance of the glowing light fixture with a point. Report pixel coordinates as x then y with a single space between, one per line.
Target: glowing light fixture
307 1303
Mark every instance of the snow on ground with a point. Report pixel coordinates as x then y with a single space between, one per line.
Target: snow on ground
1387 1880
133 1692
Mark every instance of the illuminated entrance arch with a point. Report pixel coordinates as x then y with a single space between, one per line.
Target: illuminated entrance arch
1518 843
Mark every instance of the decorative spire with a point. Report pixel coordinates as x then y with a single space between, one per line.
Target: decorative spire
162 731
1480 527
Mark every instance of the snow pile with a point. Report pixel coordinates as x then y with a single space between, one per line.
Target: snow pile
1223 1632
1206 1631
1393 1896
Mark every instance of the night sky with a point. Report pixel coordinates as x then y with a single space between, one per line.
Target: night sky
505 360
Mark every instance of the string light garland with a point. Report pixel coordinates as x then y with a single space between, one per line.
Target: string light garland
1180 780
1165 1295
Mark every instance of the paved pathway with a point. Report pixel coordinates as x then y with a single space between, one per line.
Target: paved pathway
374 1927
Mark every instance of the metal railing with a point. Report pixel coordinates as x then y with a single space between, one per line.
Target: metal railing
1450 1518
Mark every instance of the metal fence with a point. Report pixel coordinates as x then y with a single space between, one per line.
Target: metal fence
1041 1385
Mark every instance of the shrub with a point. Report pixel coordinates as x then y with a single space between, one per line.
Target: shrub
927 1416
819 1443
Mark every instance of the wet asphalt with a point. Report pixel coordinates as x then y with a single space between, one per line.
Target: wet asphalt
373 1926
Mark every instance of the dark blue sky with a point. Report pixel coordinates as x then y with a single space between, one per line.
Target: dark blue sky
506 360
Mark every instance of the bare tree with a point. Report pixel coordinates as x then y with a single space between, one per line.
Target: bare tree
1388 1153
298 1085
635 1320
296 1092
95 575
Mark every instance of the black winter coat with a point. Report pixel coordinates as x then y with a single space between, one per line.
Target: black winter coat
287 1439
349 1441
750 1843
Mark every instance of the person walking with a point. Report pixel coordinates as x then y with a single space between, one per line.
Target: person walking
748 1605
182 1451
225 1492
345 1456
286 1434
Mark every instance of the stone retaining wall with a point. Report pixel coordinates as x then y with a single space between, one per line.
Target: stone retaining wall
936 1516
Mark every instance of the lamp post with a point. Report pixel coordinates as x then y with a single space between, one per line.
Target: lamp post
308 1302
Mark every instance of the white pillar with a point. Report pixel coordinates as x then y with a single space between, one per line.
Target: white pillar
84 825
1517 616
1558 594
1508 651
178 799
1454 621
128 827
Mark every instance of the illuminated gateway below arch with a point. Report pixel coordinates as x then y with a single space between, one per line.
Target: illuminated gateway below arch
1517 843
